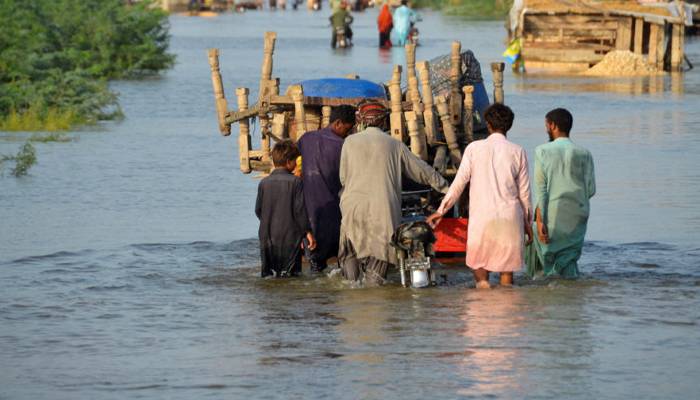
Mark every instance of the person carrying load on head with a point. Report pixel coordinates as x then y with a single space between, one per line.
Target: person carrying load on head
320 155
372 165
384 24
282 213
564 184
342 19
403 19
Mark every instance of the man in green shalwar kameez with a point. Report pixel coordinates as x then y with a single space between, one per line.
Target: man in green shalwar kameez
564 183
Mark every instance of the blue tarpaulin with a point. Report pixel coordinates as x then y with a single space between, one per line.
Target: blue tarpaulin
342 88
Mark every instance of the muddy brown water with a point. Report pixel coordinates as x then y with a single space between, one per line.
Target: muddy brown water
128 268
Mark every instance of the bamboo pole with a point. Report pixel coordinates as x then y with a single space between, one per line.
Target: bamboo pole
219 95
638 35
455 72
297 93
325 116
243 131
497 71
418 145
449 130
469 113
396 121
428 102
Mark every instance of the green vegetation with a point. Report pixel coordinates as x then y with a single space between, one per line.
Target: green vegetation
50 137
473 9
57 55
24 159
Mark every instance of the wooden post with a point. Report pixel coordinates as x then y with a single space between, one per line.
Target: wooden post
653 39
428 103
661 47
396 117
677 47
468 113
440 160
243 131
297 93
497 70
413 95
449 130
266 87
623 39
410 61
455 73
418 146
326 116
221 105
279 124
638 35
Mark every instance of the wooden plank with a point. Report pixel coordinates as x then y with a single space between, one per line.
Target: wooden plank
538 66
573 34
624 34
652 18
547 21
566 46
638 38
561 55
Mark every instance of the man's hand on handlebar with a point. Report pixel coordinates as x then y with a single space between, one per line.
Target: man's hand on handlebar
434 219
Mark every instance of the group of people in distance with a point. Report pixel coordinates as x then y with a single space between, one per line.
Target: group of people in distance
400 22
347 202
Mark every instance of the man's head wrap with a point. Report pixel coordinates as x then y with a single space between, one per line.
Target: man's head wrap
372 113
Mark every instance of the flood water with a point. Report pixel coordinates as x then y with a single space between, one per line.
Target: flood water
128 265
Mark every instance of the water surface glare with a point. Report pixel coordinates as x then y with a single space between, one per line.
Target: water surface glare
127 268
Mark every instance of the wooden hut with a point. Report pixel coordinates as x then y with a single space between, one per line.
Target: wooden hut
572 36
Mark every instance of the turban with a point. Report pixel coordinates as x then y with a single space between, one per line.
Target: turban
371 112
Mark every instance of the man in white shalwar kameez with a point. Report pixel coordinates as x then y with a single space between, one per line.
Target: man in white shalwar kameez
499 200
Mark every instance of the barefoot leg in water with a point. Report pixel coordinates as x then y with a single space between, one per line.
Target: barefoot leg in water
506 279
481 276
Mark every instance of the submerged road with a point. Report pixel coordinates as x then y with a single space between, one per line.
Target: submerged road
127 267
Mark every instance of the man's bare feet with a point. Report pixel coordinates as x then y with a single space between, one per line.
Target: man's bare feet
506 279
483 285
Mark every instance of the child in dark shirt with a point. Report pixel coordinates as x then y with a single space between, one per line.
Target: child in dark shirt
282 214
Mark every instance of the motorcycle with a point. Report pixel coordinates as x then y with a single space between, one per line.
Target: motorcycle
341 41
413 242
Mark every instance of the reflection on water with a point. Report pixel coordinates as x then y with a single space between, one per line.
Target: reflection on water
492 325
122 274
655 86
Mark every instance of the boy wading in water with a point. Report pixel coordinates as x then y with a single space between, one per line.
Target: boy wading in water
282 214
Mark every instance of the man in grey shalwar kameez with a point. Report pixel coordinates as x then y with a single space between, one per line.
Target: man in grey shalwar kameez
371 167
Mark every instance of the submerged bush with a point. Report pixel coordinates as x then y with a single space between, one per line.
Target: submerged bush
57 55
24 159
